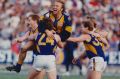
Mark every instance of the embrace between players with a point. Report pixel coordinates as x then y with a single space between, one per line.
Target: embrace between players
51 30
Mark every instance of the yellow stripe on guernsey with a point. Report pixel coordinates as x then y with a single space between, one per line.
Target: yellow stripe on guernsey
52 17
68 28
60 24
88 40
103 46
40 41
37 47
90 48
41 17
31 32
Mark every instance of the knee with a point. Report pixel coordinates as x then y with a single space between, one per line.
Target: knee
23 49
30 77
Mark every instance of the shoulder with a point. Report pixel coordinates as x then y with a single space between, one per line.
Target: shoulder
87 37
66 15
47 14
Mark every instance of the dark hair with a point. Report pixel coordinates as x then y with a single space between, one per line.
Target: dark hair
35 17
63 5
87 24
91 18
46 23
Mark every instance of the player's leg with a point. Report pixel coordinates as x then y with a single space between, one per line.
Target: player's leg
41 75
52 74
94 75
96 67
38 65
33 73
23 51
51 67
22 56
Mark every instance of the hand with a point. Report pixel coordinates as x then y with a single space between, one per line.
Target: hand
16 41
50 34
16 68
74 61
95 34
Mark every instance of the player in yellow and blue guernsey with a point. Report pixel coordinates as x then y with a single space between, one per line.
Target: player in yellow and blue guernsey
61 20
45 50
94 51
45 46
45 55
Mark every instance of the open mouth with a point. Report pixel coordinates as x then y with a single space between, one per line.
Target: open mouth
54 10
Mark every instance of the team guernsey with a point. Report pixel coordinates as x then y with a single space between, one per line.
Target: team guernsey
44 45
62 25
94 48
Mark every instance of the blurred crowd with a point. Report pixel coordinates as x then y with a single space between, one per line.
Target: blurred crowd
13 13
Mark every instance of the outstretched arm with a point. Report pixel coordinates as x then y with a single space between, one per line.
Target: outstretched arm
82 38
24 37
32 36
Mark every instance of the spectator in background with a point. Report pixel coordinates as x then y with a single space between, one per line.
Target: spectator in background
107 13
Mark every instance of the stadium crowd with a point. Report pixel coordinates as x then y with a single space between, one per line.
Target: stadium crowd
13 13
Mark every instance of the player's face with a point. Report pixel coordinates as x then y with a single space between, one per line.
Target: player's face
83 29
27 23
57 7
32 23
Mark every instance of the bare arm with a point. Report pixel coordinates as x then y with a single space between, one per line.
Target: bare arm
79 39
59 42
32 36
24 37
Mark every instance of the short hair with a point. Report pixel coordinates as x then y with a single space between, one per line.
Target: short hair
46 23
91 18
35 17
63 4
88 24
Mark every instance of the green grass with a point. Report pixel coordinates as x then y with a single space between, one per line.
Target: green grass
22 76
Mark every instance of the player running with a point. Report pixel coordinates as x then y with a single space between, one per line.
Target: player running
94 51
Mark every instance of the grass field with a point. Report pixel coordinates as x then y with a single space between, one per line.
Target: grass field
24 76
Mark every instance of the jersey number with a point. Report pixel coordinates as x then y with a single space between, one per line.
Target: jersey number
47 41
96 42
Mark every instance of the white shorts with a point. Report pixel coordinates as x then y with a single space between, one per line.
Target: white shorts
97 64
46 62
